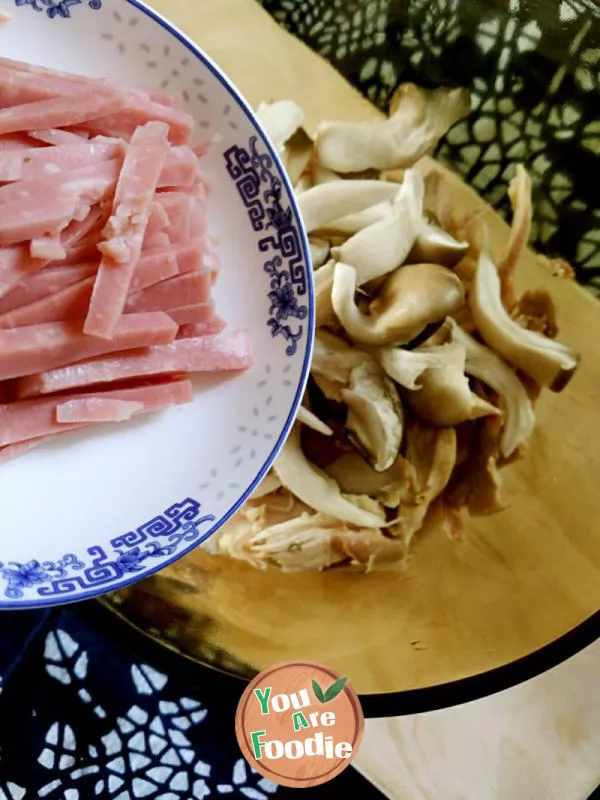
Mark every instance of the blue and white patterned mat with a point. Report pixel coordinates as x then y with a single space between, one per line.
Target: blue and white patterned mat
82 716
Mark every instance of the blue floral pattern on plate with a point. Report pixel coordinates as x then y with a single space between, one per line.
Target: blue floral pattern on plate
57 8
160 537
261 191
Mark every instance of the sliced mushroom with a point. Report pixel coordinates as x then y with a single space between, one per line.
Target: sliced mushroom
303 184
320 174
432 454
280 120
318 491
269 484
323 279
375 420
383 246
419 119
306 417
319 251
394 486
483 364
443 396
535 310
519 194
477 484
332 362
353 223
327 202
405 367
433 245
412 298
547 361
297 154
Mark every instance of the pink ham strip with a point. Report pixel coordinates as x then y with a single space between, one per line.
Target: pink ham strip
193 314
15 450
13 142
153 267
160 239
60 112
16 265
30 419
42 161
189 257
49 248
176 206
46 282
90 184
58 137
180 168
70 303
141 110
225 353
42 347
27 219
158 220
183 290
92 410
163 98
133 197
211 328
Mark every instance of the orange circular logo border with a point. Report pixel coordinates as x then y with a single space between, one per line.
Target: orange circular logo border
294 774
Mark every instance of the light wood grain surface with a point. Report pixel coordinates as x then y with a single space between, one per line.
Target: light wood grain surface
519 580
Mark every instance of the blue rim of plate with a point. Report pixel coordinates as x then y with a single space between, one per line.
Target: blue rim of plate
245 106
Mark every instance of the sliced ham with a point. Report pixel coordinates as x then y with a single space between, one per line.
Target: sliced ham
15 450
16 265
153 267
141 110
69 303
190 257
12 142
199 313
60 112
29 419
211 328
157 240
93 410
37 348
42 161
49 248
126 228
43 283
225 353
27 219
182 290
180 168
89 184
58 136
176 206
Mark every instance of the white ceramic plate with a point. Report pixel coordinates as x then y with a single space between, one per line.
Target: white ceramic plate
104 508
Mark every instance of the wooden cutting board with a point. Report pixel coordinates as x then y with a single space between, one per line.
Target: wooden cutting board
520 579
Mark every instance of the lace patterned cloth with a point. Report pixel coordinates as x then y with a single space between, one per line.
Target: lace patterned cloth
84 717
533 68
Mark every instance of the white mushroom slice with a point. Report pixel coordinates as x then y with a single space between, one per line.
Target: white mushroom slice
444 396
316 489
411 299
419 119
353 223
323 204
303 185
375 421
297 154
280 120
547 361
432 453
433 245
483 364
321 174
405 367
306 417
269 484
519 193
319 251
332 362
383 246
323 279
355 476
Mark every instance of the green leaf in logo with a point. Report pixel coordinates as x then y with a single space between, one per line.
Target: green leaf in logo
318 692
335 689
